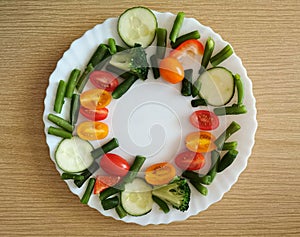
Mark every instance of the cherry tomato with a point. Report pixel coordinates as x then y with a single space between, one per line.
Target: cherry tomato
171 70
200 142
104 80
204 120
103 182
190 48
92 130
95 114
114 164
160 173
189 160
95 99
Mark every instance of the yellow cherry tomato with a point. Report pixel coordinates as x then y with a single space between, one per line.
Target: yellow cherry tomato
200 142
160 173
95 99
91 130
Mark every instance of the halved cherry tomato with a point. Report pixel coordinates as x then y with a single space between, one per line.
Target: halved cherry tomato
204 120
92 130
103 182
189 48
104 80
95 114
114 164
95 99
160 173
200 142
189 160
171 70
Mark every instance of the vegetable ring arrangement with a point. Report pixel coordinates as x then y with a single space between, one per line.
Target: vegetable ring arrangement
122 188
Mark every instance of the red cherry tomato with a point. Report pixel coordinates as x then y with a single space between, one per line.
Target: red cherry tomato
104 80
189 160
204 120
103 182
114 164
189 48
94 114
171 70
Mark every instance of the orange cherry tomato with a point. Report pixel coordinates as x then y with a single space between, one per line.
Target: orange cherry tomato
95 99
171 70
160 173
200 142
91 130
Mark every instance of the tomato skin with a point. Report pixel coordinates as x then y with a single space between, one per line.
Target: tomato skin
104 80
200 142
95 99
114 164
190 48
94 115
189 160
160 173
204 120
90 130
103 182
171 70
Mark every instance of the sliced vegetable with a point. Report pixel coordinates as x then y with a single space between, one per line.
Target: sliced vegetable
66 176
231 129
124 87
120 210
59 132
137 25
229 146
91 130
73 155
104 181
83 79
200 142
190 160
136 198
225 53
176 26
215 160
171 70
208 50
193 35
161 42
186 89
107 147
72 82
104 80
95 99
95 114
240 89
99 55
198 102
60 94
86 174
190 48
109 192
200 188
162 204
204 120
160 173
74 109
110 203
227 160
89 189
154 66
114 164
230 110
195 176
112 46
61 122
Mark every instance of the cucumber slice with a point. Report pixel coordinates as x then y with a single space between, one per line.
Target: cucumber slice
74 155
217 86
137 25
136 198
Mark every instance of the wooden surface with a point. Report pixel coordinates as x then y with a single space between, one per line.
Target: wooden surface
35 202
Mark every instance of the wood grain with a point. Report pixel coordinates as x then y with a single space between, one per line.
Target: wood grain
35 202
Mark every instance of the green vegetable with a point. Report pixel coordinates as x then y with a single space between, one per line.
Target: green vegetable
231 129
72 82
112 46
198 102
228 110
195 176
107 147
240 89
186 89
177 193
110 203
87 194
83 79
87 173
154 66
74 108
121 212
227 160
60 94
215 160
133 60
229 146
208 50
191 35
123 87
72 176
61 122
176 26
59 132
161 42
200 188
99 55
163 205
119 72
108 192
225 53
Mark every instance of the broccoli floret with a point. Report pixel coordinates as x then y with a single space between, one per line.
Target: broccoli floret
133 60
177 193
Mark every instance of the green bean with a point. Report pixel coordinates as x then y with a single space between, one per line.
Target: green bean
86 174
227 160
198 102
59 132
108 192
87 194
161 42
119 72
230 110
215 160
240 89
74 108
72 82
208 50
84 78
112 46
124 87
186 89
109 146
231 129
72 176
162 204
229 146
134 169
225 53
176 26
61 122
120 48
191 35
121 212
100 54
60 94
200 188
154 66
195 176
110 203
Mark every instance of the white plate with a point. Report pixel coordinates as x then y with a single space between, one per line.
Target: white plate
157 137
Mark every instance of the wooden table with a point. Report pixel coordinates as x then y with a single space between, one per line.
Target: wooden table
35 202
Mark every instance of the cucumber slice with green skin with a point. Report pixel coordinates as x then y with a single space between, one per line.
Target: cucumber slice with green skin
217 86
137 25
136 199
74 155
